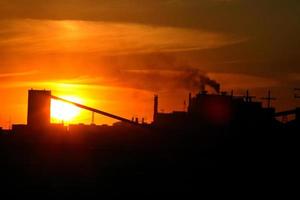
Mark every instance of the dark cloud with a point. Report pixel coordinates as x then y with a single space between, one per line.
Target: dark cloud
235 15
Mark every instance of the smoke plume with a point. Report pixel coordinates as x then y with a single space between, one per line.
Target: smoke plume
187 78
194 79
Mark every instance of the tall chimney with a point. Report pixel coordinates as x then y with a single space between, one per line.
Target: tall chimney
155 107
190 101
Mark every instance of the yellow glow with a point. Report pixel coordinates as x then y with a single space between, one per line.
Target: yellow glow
65 112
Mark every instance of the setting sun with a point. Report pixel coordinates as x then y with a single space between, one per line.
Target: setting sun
61 111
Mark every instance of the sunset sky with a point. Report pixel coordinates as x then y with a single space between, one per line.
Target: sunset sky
115 55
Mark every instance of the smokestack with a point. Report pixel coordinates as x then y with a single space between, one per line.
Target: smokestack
190 101
155 107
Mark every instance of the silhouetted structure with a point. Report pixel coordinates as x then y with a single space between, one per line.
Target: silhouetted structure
288 112
39 103
217 135
216 110
269 98
93 110
155 107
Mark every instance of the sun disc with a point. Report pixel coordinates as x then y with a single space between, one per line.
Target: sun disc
63 111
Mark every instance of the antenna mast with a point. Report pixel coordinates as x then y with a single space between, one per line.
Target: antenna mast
269 99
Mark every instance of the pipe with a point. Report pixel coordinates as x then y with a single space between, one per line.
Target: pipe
284 113
96 110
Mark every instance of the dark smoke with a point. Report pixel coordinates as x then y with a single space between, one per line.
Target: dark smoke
194 79
188 78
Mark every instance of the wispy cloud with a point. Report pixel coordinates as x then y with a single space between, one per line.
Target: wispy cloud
106 38
17 74
244 81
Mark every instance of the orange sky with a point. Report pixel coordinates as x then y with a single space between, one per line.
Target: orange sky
116 61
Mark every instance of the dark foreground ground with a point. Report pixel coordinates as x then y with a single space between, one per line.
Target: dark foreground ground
129 160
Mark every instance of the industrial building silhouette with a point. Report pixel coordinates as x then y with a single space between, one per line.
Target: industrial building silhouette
219 137
204 112
220 109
